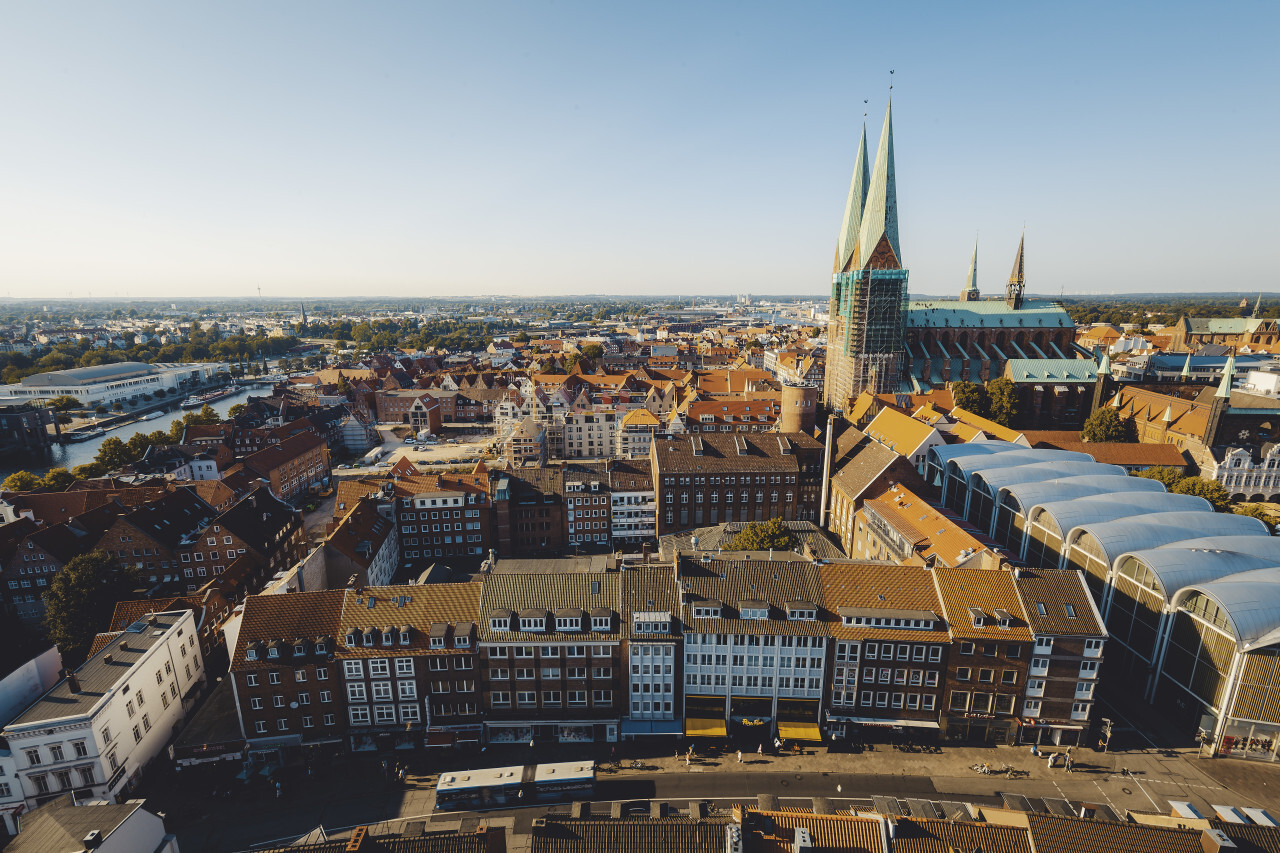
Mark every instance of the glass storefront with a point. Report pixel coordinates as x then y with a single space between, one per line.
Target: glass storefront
1244 739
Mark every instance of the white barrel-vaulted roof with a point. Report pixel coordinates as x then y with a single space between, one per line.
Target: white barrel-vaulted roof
994 479
945 453
1063 488
1256 545
1150 530
1074 512
1251 601
1175 566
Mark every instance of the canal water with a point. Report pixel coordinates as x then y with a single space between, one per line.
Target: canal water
70 455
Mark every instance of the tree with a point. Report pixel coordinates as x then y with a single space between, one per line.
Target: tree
1003 397
65 402
81 598
113 454
971 397
20 481
1170 477
764 536
520 337
592 351
1210 490
1254 511
57 479
1107 425
89 470
237 410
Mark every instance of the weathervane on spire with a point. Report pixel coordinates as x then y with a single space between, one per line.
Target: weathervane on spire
891 83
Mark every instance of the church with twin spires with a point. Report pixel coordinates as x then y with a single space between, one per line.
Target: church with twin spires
881 341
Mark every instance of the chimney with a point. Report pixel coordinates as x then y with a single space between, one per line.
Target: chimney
73 683
1215 841
92 840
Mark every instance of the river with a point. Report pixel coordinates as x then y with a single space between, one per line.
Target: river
70 455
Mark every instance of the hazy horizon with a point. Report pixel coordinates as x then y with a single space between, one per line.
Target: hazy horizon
323 150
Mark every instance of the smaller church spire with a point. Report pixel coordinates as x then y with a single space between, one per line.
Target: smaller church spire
1104 366
848 242
1017 278
1257 305
1186 369
1228 375
970 292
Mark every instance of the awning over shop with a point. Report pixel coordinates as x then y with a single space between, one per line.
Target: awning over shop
879 721
651 727
799 731
702 727
439 739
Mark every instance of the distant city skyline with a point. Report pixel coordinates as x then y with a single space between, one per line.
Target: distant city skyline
434 150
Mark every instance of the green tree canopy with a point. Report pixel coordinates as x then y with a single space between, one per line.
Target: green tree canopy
81 598
1003 396
1210 490
113 454
1107 425
237 410
1255 511
20 481
764 536
88 471
1170 477
592 351
971 397
57 479
65 402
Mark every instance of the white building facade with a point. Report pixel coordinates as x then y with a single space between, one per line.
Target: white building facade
96 730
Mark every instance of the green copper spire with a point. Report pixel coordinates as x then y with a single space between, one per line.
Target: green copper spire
1186 368
853 207
971 283
880 215
1104 366
1228 374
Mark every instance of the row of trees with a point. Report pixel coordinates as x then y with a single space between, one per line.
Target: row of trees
997 400
112 454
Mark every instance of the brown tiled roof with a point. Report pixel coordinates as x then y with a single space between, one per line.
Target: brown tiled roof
733 578
101 641
1053 834
549 593
929 531
362 526
1055 589
649 588
867 464
775 832
418 606
1121 453
924 835
633 835
270 458
879 586
902 433
305 615
763 451
986 589
128 612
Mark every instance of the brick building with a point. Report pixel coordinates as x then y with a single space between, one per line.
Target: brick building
706 479
536 512
551 657
294 467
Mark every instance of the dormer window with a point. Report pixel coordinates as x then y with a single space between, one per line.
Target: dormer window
1004 619
706 611
404 636
802 611
755 612
323 648
462 642
437 642
500 623
979 618
273 652
351 639
568 623
386 638
368 638
532 623
601 623
299 650
250 654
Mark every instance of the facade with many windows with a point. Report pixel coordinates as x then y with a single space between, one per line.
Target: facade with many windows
95 731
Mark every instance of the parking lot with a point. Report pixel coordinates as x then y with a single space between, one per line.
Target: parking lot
441 455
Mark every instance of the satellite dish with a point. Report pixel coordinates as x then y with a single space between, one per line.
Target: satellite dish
293 705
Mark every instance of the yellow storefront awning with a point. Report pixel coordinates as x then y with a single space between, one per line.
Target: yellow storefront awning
701 727
799 731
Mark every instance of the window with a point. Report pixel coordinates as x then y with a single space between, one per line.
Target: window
33 757
404 666
1031 708
379 668
959 700
1009 676
79 748
272 677
55 753
358 715
987 676
963 673
353 668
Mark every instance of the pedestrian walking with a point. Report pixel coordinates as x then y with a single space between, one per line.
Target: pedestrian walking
531 743
777 744
760 749
739 756
1069 764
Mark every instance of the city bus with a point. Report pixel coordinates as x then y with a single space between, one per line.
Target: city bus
512 787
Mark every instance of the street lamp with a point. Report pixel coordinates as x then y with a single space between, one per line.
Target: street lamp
1106 733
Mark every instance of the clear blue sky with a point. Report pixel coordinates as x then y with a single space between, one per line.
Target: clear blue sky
417 148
